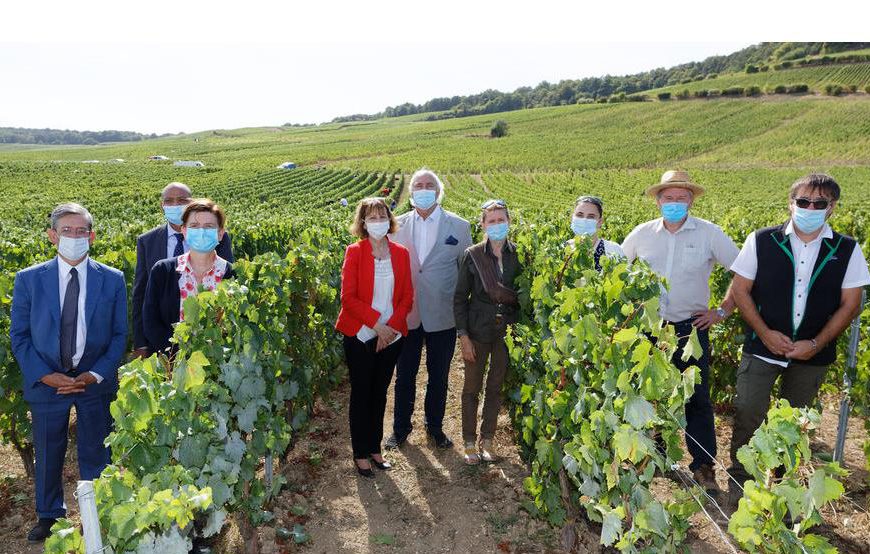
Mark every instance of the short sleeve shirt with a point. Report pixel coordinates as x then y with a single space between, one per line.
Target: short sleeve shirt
685 259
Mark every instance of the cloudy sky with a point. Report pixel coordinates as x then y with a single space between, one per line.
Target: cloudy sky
166 66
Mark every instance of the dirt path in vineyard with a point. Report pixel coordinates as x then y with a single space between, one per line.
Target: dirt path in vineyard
431 502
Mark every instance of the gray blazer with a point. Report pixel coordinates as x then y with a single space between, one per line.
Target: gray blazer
435 280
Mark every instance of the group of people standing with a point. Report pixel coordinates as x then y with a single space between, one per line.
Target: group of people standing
418 280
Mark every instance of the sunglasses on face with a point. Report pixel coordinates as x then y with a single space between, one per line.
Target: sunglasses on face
820 204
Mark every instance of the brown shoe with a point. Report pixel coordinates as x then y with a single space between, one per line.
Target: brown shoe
706 478
733 501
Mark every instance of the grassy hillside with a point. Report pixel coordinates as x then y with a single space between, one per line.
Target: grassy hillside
762 132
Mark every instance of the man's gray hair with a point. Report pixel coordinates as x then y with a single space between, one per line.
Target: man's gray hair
425 172
174 185
70 208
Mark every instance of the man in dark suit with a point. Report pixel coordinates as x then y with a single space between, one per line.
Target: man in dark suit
68 331
161 243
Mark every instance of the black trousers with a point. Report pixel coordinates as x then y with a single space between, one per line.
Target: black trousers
439 353
370 376
700 423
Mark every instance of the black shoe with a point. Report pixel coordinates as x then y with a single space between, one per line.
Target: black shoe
384 466
441 440
395 442
42 530
364 472
202 545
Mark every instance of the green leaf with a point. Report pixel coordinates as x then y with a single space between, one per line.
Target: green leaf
638 412
624 336
654 519
823 489
611 528
191 373
692 349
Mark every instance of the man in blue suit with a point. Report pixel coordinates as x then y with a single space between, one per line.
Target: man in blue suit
69 332
160 243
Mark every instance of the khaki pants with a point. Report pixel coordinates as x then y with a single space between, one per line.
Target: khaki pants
498 360
755 378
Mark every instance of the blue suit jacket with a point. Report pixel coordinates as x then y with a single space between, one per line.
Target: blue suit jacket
150 249
35 329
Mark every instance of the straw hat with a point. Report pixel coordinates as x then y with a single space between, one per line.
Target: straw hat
675 179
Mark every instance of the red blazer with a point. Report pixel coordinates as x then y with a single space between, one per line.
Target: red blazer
358 287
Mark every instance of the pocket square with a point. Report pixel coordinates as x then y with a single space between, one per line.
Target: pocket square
451 240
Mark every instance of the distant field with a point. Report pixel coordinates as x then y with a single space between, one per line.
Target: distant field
765 132
816 77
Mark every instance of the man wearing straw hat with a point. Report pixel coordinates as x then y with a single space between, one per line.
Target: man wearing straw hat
683 250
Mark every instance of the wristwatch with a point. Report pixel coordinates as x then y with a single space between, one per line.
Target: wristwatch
721 313
814 343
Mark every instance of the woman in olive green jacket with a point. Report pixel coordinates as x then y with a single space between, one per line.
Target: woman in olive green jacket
484 304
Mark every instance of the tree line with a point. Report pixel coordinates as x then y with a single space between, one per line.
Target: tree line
591 89
21 135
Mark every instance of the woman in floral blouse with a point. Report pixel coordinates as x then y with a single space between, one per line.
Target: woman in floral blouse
173 280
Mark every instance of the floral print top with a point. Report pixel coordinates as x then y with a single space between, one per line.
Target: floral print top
187 285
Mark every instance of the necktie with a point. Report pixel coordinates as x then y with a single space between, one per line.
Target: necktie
179 245
69 317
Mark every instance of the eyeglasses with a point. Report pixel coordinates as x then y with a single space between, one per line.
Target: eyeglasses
74 232
820 204
490 203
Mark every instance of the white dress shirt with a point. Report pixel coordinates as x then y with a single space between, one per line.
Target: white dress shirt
805 255
63 270
611 249
171 241
684 258
425 233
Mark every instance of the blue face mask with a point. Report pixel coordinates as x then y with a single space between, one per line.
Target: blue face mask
808 221
202 240
173 214
424 199
673 212
584 226
497 231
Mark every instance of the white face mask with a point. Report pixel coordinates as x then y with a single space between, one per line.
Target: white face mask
378 229
73 249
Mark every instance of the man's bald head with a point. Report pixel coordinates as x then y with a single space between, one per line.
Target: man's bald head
175 191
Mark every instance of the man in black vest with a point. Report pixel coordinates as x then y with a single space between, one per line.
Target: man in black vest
798 286
160 243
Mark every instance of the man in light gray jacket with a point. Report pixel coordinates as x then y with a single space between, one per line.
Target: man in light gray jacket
436 239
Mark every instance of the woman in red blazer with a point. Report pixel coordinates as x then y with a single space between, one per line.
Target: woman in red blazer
376 296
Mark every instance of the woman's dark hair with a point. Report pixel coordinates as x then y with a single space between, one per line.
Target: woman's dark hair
591 200
368 206
817 182
204 205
